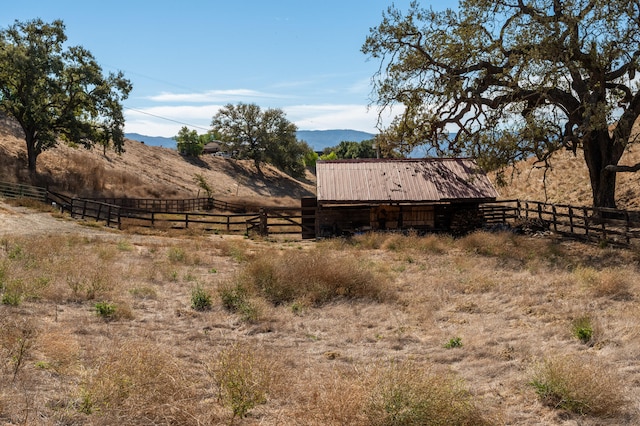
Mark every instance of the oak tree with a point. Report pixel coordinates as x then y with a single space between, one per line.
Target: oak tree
55 92
262 136
513 79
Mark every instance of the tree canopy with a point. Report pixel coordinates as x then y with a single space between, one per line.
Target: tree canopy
190 143
351 149
262 136
514 79
54 92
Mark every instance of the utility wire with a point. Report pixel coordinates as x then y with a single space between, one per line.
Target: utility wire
165 118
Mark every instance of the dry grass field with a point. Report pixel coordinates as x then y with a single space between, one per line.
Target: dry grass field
104 327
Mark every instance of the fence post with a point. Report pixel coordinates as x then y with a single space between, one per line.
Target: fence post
555 218
264 231
186 220
586 222
571 219
627 225
228 223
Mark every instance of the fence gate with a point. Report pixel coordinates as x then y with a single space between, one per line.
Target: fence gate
309 207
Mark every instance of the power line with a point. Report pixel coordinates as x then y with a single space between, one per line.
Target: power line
165 118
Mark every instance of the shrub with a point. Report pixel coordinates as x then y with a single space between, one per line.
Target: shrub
11 298
582 329
454 342
243 376
16 340
313 276
176 255
200 299
105 310
137 380
408 394
236 298
579 385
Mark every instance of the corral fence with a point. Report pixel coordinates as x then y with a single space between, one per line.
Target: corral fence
620 227
188 214
599 225
16 190
174 205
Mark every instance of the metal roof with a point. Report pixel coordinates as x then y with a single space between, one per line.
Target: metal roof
405 180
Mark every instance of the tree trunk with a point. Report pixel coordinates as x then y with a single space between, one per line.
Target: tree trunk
600 151
32 154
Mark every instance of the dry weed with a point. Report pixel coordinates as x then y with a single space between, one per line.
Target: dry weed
243 375
314 277
580 384
137 382
411 394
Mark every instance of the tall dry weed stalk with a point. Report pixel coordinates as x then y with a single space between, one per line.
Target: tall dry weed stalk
579 384
313 277
243 375
137 380
411 394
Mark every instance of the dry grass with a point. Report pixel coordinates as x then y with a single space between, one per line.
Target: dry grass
337 332
580 384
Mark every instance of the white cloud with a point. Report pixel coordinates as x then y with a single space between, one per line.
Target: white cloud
223 96
167 120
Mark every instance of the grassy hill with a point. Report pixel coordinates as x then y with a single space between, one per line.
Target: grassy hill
149 172
145 171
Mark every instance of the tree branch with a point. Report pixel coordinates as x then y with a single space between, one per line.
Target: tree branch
622 169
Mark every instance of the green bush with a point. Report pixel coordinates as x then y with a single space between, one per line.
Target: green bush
105 310
582 329
200 299
454 342
11 298
236 298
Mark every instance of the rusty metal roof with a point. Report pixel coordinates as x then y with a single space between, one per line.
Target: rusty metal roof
405 180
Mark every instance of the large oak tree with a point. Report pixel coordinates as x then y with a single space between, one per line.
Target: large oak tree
515 78
264 136
54 93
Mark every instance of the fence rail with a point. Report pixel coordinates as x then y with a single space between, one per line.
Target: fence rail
17 190
585 223
173 205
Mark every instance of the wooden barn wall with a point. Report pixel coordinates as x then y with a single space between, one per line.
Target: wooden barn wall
456 217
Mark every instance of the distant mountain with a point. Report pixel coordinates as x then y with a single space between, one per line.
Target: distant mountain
317 139
152 140
321 139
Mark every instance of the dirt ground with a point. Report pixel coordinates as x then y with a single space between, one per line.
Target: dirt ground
16 220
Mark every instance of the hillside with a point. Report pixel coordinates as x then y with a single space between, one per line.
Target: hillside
149 172
145 171
567 182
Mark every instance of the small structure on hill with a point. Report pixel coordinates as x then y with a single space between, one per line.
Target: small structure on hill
211 148
429 194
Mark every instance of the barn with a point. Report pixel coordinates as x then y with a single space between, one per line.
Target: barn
425 195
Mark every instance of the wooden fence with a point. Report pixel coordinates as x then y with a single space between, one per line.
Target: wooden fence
268 221
16 190
621 227
174 205
591 224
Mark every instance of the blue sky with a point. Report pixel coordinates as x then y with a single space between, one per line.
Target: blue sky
186 59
